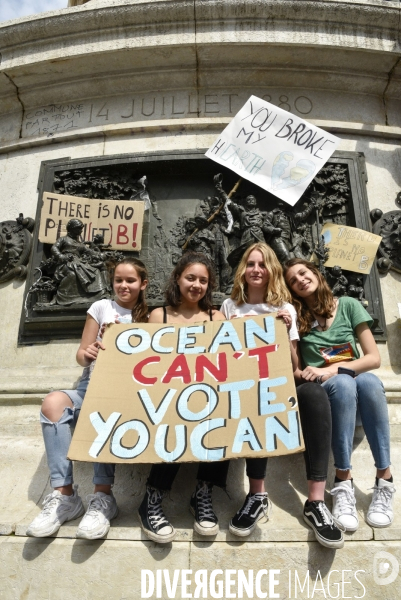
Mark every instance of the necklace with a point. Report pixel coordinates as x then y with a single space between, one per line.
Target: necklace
323 326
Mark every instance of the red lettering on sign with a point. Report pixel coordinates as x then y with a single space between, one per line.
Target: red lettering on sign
218 372
178 369
122 233
137 372
261 354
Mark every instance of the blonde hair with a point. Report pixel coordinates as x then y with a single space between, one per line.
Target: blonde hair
276 291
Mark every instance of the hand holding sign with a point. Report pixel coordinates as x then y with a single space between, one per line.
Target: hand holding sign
173 393
278 151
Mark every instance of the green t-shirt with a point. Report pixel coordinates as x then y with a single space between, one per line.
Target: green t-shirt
338 343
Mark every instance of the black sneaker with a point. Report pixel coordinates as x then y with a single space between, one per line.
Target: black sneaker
255 507
327 530
202 509
152 518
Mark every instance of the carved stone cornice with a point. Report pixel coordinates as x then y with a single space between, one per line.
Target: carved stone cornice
117 47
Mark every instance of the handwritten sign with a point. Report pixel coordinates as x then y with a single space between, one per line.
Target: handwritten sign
350 248
273 148
119 221
204 392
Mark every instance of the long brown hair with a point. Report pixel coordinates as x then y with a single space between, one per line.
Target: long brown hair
173 294
325 303
140 312
276 291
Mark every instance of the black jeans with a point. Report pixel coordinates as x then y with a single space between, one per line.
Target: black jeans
315 414
162 475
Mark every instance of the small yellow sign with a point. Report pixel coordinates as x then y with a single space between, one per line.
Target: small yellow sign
350 248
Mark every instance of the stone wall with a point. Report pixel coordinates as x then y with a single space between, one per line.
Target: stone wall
113 77
118 77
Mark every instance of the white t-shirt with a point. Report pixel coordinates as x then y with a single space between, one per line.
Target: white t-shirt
107 311
231 311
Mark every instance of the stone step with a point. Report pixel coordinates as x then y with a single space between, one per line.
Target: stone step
25 482
51 568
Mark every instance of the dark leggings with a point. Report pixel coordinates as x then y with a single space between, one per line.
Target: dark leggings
162 475
315 414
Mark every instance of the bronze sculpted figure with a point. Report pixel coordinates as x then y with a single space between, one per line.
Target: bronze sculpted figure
15 247
388 225
80 271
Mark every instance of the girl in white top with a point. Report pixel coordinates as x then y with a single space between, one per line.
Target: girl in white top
60 411
259 288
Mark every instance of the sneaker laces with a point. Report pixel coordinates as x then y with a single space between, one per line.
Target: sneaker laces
96 503
204 501
345 499
156 515
381 500
327 517
50 501
258 497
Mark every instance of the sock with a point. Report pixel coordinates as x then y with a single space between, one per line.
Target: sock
390 480
337 480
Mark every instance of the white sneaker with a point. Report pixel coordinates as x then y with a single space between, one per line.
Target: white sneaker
380 513
102 508
344 505
57 509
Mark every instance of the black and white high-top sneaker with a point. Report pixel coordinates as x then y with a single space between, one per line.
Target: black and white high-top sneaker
327 530
255 508
201 507
153 520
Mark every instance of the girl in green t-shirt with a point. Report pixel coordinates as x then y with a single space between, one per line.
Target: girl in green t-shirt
329 328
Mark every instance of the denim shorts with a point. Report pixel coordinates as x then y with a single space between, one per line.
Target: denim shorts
77 396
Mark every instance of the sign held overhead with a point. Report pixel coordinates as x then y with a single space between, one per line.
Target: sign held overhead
273 148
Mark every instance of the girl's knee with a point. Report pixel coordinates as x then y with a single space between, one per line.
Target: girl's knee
340 387
54 405
369 381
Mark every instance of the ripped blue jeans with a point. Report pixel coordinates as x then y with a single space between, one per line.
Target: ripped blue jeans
57 438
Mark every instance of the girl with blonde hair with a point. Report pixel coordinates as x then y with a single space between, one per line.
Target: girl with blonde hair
259 288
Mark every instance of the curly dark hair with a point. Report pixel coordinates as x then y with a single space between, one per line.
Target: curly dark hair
325 302
173 294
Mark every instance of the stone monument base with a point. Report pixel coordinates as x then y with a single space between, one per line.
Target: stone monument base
111 568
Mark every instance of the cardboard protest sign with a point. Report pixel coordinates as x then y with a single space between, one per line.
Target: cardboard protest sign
119 221
205 392
350 248
273 148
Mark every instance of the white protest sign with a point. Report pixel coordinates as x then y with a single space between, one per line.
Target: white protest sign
273 148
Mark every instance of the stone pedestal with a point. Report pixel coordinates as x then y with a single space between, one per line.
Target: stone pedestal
114 77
